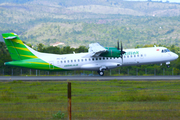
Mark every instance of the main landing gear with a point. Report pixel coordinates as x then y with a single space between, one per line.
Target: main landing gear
101 73
168 64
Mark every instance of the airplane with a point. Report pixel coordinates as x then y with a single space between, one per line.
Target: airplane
98 58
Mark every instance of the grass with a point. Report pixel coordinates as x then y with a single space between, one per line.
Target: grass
91 100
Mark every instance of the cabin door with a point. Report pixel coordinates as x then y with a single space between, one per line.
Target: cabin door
51 65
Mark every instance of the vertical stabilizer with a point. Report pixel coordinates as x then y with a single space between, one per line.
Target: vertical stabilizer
16 48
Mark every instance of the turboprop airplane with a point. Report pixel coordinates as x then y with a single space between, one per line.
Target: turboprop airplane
98 58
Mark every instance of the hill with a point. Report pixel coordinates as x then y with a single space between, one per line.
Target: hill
80 22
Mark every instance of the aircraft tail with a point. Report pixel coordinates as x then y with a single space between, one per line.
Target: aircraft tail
17 49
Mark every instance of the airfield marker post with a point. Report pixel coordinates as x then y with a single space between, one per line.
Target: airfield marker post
21 71
69 100
172 72
12 72
163 71
136 72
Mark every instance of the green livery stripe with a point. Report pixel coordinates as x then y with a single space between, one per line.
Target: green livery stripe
22 56
17 49
20 48
33 64
39 63
28 56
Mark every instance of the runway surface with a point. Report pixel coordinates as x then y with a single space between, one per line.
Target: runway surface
86 78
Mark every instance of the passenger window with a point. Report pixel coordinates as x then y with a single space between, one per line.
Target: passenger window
96 58
93 59
71 60
134 55
61 61
137 55
74 60
64 61
124 56
99 58
131 55
107 58
81 60
68 61
89 59
128 56
103 58
85 59
78 60
141 55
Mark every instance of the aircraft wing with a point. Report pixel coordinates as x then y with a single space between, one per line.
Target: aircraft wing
95 49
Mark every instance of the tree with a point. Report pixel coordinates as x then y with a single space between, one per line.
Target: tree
40 47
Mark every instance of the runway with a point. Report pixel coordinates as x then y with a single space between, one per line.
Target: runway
86 78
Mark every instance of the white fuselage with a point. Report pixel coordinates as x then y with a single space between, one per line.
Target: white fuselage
131 57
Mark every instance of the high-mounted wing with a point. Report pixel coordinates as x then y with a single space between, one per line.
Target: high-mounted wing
95 49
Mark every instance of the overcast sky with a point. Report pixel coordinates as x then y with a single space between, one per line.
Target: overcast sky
158 0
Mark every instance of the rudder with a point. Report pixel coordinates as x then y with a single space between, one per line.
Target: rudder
16 48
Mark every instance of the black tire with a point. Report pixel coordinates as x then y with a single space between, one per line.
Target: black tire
101 73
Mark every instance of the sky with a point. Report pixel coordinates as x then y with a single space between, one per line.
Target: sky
158 0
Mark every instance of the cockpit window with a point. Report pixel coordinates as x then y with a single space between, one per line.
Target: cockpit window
168 50
165 50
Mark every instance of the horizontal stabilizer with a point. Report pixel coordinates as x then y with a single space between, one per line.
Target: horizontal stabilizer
11 37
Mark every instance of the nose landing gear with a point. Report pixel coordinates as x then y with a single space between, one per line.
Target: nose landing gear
101 73
168 64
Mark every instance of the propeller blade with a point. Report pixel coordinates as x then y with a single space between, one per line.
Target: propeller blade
118 44
122 52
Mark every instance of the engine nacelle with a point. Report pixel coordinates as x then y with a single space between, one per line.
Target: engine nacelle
112 52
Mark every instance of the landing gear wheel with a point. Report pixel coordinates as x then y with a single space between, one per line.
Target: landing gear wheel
101 73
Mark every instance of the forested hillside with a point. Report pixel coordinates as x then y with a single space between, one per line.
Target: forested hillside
81 22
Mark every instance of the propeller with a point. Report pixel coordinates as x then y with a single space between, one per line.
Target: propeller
118 45
122 52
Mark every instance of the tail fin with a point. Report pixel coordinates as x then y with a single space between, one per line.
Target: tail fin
17 49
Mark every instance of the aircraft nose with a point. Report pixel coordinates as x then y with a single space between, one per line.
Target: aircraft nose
175 56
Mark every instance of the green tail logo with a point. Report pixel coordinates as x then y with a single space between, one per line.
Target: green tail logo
16 48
